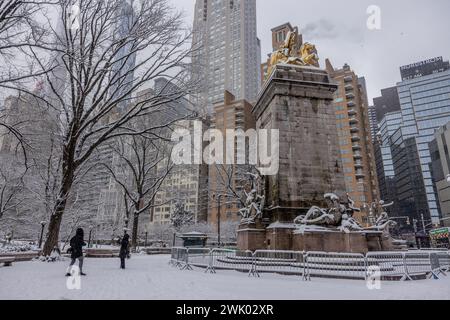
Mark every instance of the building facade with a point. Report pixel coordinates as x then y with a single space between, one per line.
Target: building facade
440 170
383 156
425 105
355 142
186 184
227 53
228 179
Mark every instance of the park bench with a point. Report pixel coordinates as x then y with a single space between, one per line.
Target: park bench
102 253
7 261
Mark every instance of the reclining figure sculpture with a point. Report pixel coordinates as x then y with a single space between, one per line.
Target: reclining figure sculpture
339 216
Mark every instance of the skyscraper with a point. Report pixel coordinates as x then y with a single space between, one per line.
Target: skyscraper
226 51
383 155
373 124
125 62
425 105
424 98
440 169
355 143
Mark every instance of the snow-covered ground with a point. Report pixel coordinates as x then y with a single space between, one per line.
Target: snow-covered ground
150 277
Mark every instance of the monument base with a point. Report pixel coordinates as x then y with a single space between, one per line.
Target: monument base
251 236
285 236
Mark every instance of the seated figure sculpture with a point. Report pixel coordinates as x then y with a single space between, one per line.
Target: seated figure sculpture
254 202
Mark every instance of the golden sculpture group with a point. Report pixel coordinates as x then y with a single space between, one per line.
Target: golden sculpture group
288 53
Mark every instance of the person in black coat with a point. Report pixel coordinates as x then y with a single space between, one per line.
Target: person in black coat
124 250
76 250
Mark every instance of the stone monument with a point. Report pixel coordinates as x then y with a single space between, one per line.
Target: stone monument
297 100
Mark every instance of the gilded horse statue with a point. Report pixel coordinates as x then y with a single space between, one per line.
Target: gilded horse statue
288 53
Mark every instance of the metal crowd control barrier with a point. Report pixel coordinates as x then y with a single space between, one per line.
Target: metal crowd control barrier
336 265
277 261
225 259
198 257
179 257
419 263
444 261
390 264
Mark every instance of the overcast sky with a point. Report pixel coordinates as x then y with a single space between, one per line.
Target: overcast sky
411 31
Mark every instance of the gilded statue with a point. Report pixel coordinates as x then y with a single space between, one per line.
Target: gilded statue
288 53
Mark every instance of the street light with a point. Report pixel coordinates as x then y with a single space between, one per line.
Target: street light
218 216
43 223
146 235
90 235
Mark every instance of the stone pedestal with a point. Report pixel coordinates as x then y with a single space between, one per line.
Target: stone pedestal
298 102
251 237
330 241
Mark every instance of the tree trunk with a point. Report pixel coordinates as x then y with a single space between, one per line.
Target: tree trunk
53 230
135 232
60 206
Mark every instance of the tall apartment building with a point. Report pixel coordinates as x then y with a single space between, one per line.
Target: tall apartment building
230 114
279 34
352 119
125 61
227 52
373 124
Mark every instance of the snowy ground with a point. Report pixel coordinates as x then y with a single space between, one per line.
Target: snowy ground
150 277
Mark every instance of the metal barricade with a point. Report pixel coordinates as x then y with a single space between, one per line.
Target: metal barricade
179 257
277 261
225 259
198 257
335 265
419 263
390 264
444 261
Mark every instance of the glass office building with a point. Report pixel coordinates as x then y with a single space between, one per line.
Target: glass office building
425 107
383 155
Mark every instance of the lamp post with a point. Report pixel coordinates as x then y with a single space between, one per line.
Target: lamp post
90 235
43 223
218 217
146 235
415 233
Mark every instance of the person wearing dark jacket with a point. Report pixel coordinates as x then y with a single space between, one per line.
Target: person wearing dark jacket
124 250
76 250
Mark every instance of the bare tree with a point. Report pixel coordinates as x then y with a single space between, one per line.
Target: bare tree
12 184
90 78
181 217
144 164
18 29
